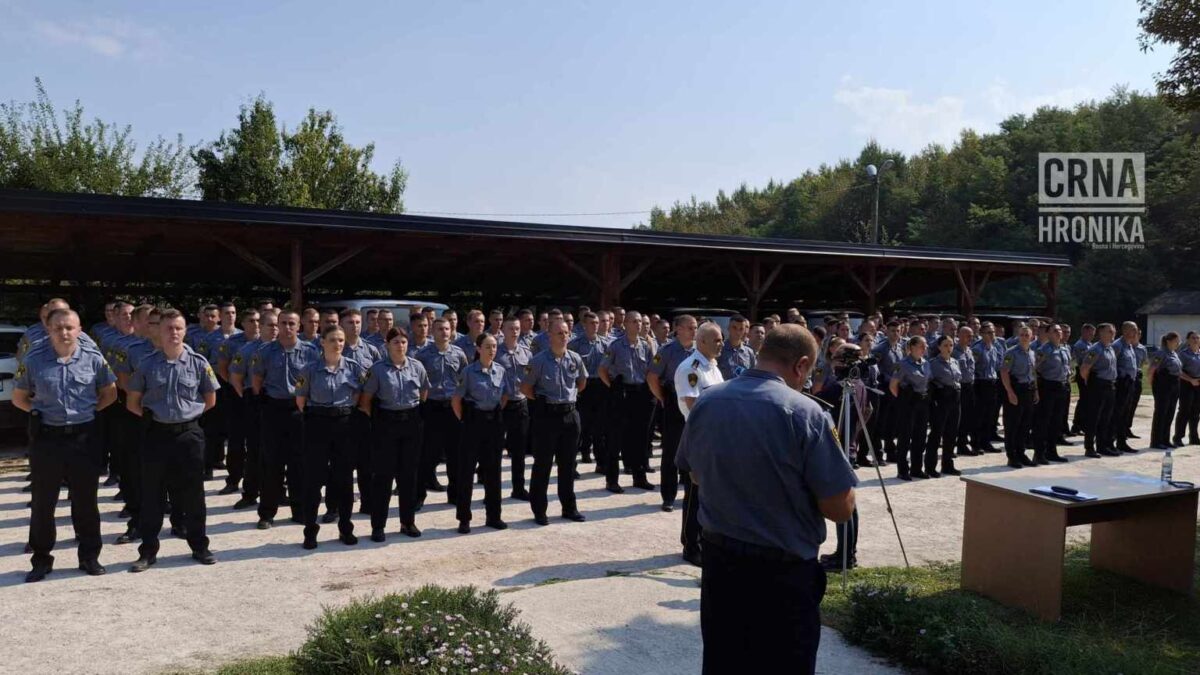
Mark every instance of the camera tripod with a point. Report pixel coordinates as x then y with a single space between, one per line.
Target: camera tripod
846 435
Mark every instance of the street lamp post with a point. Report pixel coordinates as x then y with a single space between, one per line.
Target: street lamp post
874 175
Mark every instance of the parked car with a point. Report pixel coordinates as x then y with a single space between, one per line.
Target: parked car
10 335
400 307
720 316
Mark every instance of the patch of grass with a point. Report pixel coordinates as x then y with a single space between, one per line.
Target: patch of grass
1110 624
267 665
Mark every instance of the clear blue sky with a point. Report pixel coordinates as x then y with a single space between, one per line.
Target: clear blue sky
523 106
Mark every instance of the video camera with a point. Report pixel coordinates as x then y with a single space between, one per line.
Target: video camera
849 363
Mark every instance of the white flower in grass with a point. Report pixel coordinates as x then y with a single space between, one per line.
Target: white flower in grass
404 605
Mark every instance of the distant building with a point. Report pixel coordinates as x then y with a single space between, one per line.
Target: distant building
1177 311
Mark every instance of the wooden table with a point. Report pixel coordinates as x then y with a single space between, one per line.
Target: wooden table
1013 540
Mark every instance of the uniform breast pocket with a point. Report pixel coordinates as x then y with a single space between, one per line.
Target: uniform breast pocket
80 383
188 384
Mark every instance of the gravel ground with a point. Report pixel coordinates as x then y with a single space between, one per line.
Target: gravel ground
629 604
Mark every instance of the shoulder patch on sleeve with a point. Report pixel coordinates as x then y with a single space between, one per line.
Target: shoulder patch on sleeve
693 379
658 358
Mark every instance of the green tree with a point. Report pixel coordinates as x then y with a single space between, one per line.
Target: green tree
39 150
260 162
1175 23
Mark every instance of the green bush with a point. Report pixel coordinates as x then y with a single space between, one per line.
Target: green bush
430 630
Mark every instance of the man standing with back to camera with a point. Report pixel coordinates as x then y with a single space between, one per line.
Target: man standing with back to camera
771 471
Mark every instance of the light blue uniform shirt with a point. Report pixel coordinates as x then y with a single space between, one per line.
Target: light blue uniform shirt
240 363
540 343
555 378
913 375
397 387
1103 361
1020 365
365 353
336 387
987 360
1127 362
482 387
592 351
173 391
128 354
667 359
467 344
966 363
945 372
733 361
765 454
630 363
1167 362
281 367
1190 361
443 368
65 391
514 363
1054 363
1078 349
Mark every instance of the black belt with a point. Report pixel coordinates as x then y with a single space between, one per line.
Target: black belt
473 413
280 403
748 550
399 415
514 404
433 403
633 387
327 411
175 427
66 430
1098 382
915 394
558 408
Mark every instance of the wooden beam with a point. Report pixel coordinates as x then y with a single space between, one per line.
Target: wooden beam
962 283
979 288
254 261
887 280
770 279
297 280
637 271
333 263
854 277
579 269
609 283
741 277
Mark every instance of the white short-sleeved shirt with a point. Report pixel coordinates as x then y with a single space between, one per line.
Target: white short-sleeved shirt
695 374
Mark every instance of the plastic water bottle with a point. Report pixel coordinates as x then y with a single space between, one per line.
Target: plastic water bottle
1167 464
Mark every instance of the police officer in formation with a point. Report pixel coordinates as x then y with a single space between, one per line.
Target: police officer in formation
63 383
327 392
444 362
514 356
910 386
170 390
553 380
945 385
1166 371
624 371
1017 373
592 347
1054 359
1099 375
479 399
694 375
250 405
1189 392
395 388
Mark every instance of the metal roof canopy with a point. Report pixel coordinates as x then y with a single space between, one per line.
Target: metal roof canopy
84 237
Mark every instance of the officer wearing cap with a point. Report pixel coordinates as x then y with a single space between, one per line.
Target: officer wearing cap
274 370
514 357
553 380
1099 373
661 378
444 362
365 354
694 376
592 400
63 385
396 386
1018 373
1054 361
771 472
250 404
479 399
736 356
170 389
327 392
235 409
1079 350
624 371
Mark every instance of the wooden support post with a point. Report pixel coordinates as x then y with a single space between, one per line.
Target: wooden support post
610 281
1052 294
871 293
297 280
333 263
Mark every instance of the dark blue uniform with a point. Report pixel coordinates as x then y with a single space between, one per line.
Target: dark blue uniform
912 410
593 400
1165 387
631 406
666 361
1101 386
1189 399
1021 366
483 392
945 387
442 428
988 394
330 441
764 455
1054 365
516 414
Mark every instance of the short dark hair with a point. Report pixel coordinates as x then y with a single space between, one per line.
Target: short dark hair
588 315
330 329
738 318
788 343
525 313
396 330
203 310
169 314
350 311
